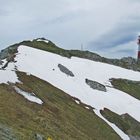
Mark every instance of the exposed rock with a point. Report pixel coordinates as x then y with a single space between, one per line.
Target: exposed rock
6 133
65 70
8 52
38 137
1 62
95 85
126 62
134 137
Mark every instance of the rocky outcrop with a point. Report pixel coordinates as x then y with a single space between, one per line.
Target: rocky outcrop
6 133
127 62
38 137
65 70
95 85
1 62
8 52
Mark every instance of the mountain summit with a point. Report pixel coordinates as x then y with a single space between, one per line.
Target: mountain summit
47 92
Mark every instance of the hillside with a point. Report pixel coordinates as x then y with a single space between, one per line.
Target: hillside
58 117
40 43
68 94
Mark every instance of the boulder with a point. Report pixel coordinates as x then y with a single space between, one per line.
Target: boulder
95 85
6 133
65 70
38 137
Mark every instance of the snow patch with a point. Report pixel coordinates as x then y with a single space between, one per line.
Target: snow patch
27 73
78 102
86 107
8 74
44 40
29 96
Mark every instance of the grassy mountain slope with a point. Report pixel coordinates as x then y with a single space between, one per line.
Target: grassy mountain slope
125 122
59 117
128 86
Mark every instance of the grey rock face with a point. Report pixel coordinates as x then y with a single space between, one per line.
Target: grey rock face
3 54
95 85
38 137
8 52
129 60
126 62
65 70
0 62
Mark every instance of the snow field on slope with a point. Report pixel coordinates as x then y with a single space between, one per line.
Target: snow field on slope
41 64
8 74
29 96
45 66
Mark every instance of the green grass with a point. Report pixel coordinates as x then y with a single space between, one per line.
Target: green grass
128 86
59 117
51 47
46 47
125 122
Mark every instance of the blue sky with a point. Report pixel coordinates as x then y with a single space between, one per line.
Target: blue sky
108 27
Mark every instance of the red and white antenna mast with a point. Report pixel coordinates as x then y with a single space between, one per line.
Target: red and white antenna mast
138 47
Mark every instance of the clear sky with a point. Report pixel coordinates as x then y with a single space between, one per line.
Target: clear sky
108 27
